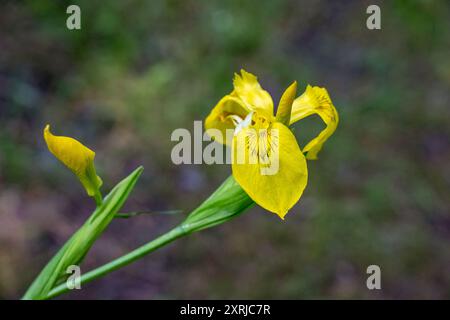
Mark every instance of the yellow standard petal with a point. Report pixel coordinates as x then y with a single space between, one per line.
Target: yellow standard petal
270 167
285 106
248 89
75 156
315 100
221 118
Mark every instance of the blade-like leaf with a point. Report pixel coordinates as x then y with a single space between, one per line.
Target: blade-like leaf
226 202
75 249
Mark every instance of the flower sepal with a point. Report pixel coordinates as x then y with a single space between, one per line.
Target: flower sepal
78 158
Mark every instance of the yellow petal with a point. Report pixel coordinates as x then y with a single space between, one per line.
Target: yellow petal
277 178
75 156
315 100
255 98
219 117
285 106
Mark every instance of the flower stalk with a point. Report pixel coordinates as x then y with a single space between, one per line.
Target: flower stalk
227 202
118 263
76 248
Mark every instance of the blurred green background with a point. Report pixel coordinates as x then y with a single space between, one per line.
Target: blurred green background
137 70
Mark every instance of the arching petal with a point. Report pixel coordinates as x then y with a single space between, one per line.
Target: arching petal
248 89
315 100
220 119
285 106
270 167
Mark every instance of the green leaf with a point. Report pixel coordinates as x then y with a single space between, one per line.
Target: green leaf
228 201
75 249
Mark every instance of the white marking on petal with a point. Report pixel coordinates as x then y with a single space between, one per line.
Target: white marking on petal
243 123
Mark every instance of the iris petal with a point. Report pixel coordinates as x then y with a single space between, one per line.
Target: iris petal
248 89
220 119
315 100
285 106
272 170
75 156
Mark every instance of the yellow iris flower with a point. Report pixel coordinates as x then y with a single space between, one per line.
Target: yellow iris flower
260 139
78 158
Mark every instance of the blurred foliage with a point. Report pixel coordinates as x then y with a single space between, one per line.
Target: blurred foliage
379 194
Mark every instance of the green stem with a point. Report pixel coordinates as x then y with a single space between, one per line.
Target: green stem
124 260
227 202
